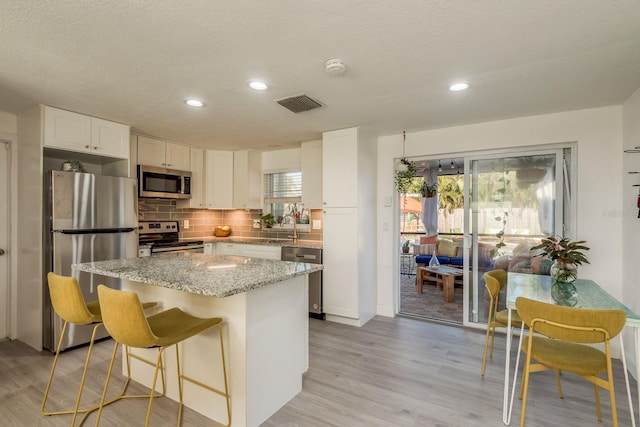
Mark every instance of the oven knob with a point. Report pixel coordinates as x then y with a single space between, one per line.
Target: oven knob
140 227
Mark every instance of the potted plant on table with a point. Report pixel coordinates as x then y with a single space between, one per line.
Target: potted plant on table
567 255
405 247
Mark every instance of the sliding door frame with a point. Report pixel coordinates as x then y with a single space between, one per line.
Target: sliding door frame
562 183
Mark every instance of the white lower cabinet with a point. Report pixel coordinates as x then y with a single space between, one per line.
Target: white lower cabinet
209 248
349 229
340 273
253 251
228 249
260 251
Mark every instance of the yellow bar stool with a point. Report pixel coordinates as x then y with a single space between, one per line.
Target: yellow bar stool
125 321
69 304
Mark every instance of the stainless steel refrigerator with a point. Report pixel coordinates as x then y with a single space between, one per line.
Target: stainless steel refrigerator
87 218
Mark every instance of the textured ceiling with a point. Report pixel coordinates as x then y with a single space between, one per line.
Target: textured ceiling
136 61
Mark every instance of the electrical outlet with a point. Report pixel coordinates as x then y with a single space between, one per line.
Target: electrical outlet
256 223
317 224
185 224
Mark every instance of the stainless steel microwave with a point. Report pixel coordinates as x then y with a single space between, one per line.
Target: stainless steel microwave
163 183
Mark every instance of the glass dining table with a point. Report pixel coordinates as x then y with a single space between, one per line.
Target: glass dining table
588 295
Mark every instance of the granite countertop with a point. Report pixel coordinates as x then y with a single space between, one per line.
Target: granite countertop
261 241
210 275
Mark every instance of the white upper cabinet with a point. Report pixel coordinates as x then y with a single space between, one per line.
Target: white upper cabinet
109 138
247 178
177 156
340 168
211 180
198 181
219 179
163 154
311 166
67 130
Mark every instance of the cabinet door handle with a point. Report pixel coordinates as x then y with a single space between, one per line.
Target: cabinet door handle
95 148
2 252
168 164
86 146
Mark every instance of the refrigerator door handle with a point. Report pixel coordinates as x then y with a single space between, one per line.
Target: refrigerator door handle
100 231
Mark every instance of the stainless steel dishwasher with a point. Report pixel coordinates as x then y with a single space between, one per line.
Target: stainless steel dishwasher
311 256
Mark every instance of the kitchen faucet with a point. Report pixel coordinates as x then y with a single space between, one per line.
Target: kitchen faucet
293 217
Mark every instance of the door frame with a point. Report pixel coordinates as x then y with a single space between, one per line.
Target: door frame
8 321
470 239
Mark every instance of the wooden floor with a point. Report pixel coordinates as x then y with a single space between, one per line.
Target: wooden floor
391 372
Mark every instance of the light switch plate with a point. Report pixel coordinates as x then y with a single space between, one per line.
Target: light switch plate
186 224
317 224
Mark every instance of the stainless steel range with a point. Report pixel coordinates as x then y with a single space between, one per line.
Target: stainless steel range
155 237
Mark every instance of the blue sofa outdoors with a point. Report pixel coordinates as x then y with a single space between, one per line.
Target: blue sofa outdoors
449 252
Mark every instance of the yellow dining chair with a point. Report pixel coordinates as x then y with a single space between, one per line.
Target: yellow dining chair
560 344
69 304
124 319
495 280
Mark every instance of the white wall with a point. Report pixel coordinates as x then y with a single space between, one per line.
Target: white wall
599 186
629 212
8 123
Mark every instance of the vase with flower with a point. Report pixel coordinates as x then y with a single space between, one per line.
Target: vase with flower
566 256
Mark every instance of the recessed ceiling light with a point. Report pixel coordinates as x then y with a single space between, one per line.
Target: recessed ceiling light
258 85
458 86
194 103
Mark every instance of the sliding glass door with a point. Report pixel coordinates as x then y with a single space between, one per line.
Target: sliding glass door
511 201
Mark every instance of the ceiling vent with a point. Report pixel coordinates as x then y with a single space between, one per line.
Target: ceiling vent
299 103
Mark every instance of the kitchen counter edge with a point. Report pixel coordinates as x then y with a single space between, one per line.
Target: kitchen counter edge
199 274
313 244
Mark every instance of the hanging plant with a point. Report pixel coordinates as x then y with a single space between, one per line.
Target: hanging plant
428 190
404 178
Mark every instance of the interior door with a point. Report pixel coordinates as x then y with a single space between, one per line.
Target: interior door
4 239
511 201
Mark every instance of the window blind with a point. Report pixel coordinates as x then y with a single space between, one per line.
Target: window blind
283 187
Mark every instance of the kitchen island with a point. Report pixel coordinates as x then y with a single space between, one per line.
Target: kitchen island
264 305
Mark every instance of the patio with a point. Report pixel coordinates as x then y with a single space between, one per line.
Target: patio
429 304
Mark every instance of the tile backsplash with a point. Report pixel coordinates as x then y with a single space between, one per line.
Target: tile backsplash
203 221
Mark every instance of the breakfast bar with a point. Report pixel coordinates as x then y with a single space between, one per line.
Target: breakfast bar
264 306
